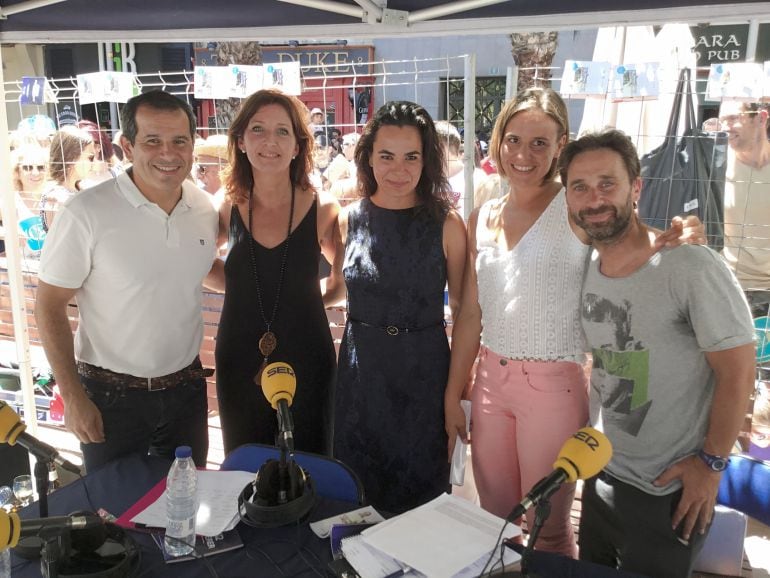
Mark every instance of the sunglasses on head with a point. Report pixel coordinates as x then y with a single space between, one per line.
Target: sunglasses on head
30 168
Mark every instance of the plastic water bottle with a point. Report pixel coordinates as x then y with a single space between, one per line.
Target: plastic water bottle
181 504
6 496
5 563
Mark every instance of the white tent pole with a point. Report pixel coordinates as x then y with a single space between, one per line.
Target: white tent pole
25 6
449 9
751 41
370 7
13 258
469 132
330 6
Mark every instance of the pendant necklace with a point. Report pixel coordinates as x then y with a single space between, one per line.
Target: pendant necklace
268 341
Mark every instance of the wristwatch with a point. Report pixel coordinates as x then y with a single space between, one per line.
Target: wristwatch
716 463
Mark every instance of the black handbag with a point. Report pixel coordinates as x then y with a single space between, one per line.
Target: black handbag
686 174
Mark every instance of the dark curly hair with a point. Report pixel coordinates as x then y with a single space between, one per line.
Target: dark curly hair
610 139
432 189
238 178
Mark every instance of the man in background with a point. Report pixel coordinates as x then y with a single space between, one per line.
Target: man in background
454 166
673 367
317 122
210 159
747 200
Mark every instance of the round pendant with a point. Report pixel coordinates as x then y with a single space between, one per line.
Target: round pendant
267 343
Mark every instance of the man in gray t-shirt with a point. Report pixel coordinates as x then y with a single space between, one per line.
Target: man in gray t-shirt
673 367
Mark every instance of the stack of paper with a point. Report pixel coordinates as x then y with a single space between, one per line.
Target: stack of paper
446 537
218 493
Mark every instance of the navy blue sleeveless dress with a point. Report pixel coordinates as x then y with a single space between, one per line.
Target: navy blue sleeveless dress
394 358
302 330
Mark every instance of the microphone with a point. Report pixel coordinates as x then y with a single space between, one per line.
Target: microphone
12 432
278 385
12 528
582 456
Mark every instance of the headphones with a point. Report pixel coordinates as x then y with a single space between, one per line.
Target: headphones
118 555
258 503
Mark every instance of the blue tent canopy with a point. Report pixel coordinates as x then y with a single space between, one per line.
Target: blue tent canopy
165 20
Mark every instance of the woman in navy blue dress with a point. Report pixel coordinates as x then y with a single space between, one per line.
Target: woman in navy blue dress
403 245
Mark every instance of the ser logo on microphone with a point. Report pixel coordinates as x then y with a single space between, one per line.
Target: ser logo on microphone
276 369
587 439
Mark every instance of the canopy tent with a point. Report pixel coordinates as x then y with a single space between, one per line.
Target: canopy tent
62 21
50 21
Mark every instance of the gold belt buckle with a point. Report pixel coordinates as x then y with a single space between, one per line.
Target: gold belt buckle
391 330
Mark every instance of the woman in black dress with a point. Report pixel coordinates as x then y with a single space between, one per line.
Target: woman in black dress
277 226
403 245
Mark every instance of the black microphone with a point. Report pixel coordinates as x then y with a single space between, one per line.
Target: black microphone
278 385
12 527
582 456
12 432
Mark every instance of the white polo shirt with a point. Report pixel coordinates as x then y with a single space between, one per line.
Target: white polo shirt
138 274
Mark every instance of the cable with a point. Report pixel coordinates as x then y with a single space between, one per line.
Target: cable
88 495
498 542
267 557
196 553
305 560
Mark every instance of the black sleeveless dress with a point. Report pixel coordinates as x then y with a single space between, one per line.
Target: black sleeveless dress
389 404
301 328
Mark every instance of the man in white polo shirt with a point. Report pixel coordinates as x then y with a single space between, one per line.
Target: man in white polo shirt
134 252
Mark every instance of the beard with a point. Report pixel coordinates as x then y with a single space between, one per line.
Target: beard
609 230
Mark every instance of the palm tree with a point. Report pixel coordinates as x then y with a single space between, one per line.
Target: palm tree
234 53
533 53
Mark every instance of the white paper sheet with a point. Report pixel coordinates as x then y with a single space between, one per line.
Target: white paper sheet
453 532
367 515
460 454
217 503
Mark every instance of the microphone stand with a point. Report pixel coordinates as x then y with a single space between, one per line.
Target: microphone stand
542 511
51 553
283 472
41 484
47 546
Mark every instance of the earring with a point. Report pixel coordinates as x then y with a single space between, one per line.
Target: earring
294 157
635 204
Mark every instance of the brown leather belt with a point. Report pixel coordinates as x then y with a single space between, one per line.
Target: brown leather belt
192 371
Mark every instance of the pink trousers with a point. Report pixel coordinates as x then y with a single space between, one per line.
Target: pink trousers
522 413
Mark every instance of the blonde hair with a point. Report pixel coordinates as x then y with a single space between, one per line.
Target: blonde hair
547 101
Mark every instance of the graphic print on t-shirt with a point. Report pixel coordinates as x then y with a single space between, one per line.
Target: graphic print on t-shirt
621 365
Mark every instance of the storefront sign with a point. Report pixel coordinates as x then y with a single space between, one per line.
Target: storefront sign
320 60
715 44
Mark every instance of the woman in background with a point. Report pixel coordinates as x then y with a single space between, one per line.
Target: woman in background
101 169
403 244
30 163
278 226
71 158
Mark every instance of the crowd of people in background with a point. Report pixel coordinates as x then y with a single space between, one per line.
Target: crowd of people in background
386 208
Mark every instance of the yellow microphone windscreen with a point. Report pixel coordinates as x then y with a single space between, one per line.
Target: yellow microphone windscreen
10 529
584 454
279 382
10 424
